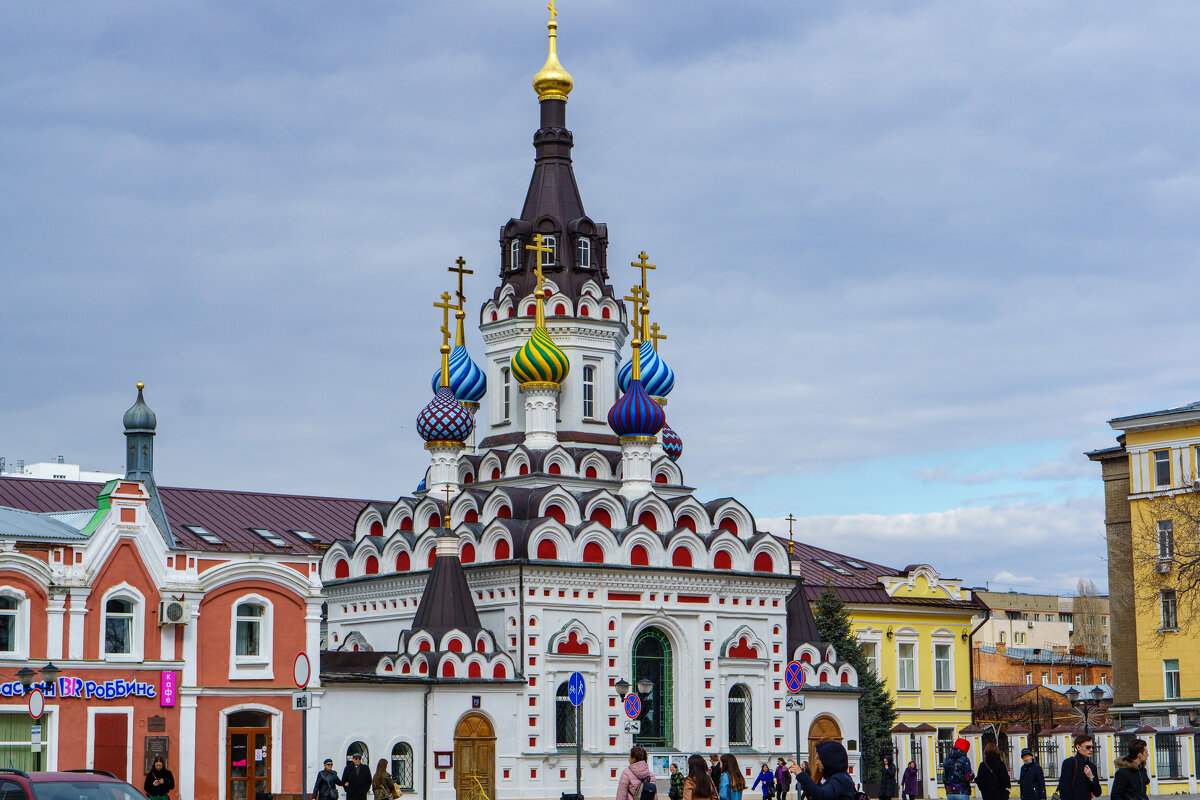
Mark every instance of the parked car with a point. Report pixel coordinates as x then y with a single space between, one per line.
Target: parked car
73 784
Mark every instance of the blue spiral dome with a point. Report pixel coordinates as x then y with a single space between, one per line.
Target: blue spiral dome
672 444
636 413
466 378
444 419
421 485
658 379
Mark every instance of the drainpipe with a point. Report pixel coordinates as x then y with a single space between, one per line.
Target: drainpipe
425 744
971 664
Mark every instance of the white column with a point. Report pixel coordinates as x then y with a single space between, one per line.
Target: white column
443 471
312 644
637 478
75 618
541 415
56 611
186 760
191 646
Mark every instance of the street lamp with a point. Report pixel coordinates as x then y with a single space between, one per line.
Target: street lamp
50 673
644 686
1085 704
622 687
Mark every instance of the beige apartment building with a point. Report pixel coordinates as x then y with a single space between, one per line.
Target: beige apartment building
1045 622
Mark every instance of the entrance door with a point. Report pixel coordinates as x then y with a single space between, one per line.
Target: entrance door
823 729
110 744
248 755
474 758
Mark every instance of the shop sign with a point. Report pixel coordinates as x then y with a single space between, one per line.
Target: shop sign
168 689
117 689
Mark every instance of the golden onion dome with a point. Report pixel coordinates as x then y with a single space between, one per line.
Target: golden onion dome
552 81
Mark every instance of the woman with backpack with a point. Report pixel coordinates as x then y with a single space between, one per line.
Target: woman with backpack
698 785
834 764
635 778
992 779
732 782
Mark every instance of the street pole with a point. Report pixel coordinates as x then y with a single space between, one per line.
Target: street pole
579 752
797 716
304 751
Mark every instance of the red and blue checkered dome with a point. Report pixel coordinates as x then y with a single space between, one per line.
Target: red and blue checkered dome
672 444
636 413
444 419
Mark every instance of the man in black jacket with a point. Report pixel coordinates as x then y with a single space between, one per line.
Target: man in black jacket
1033 780
1077 778
356 778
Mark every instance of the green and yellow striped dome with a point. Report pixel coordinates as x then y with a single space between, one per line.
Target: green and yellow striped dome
540 360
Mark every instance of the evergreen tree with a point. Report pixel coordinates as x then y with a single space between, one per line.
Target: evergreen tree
876 712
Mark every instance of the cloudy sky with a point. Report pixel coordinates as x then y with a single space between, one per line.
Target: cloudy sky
911 256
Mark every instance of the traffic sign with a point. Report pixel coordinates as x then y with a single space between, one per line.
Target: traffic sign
633 726
633 705
576 689
301 701
794 676
37 703
301 670
794 702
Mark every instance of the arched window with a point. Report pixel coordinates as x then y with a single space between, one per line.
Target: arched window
402 765
403 562
589 393
546 550
468 554
686 521
601 515
681 557
12 627
372 566
593 553
554 510
504 512
729 524
605 313
499 671
118 627
506 395
739 716
560 310
514 254
361 749
648 519
638 556
377 528
341 569
251 645
652 662
590 472
503 551
583 252
249 630
565 718
722 560
554 469
551 258
764 563
495 473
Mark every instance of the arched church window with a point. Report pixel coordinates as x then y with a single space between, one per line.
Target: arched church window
583 252
506 379
514 254
739 716
652 662
565 718
589 392
551 258
358 748
402 765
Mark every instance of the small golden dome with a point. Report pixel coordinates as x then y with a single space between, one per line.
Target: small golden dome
553 82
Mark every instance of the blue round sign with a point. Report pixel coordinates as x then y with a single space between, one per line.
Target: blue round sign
794 676
633 705
576 689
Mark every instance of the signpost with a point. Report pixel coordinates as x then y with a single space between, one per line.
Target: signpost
793 676
301 673
576 689
37 704
633 706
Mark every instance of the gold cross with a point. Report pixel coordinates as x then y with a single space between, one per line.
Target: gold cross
637 295
553 11
655 336
446 307
460 268
537 245
643 265
791 545
446 489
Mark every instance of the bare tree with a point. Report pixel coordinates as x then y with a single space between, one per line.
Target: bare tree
1166 561
1088 616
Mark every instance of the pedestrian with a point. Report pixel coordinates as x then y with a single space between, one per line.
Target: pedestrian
699 784
677 778
956 771
732 783
382 785
1077 779
993 779
714 769
833 764
766 779
910 781
887 780
783 780
356 778
1131 780
1032 780
159 780
634 777
326 785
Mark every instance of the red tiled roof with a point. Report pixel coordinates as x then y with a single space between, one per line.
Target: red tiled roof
226 514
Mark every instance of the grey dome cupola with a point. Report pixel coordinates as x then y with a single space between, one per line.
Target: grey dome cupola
139 418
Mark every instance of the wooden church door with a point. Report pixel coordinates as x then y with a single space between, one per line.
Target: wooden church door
474 757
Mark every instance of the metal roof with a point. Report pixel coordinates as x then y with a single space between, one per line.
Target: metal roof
30 526
1163 413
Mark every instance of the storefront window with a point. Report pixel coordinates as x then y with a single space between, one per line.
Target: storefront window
118 627
16 741
249 629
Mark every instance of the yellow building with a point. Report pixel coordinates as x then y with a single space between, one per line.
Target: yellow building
915 629
1152 505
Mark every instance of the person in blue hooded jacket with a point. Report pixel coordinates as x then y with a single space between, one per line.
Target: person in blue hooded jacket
835 764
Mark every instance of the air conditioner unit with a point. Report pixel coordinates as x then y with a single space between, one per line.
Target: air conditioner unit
1163 567
174 612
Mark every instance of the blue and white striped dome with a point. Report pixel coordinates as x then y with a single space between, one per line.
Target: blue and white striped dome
466 378
658 379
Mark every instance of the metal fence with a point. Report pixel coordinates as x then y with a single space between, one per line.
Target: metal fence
1168 756
1047 750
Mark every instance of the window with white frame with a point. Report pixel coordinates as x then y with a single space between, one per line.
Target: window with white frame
1078 679
739 716
942 667
589 392
252 627
14 624
1028 678
16 742
118 626
906 663
1000 638
402 765
1171 678
551 258
1166 541
1170 615
583 252
870 651
506 402
514 254
1162 467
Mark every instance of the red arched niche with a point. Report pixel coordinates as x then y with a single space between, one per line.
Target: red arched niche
681 557
639 557
503 551
403 563
602 516
593 553
372 566
572 646
547 551
764 563
648 519
722 560
341 569
743 649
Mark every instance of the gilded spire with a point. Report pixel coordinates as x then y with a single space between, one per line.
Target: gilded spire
539 294
460 267
445 306
553 82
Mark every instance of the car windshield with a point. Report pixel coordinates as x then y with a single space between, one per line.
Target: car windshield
84 790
